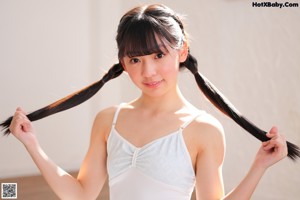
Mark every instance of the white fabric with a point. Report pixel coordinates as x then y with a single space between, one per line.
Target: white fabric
160 170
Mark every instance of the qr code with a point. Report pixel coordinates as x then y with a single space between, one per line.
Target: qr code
9 190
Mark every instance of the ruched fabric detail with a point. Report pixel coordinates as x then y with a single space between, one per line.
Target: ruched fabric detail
160 170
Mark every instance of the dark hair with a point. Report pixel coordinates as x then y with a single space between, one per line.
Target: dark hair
142 31
71 100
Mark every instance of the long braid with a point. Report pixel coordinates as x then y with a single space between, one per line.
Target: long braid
220 101
71 100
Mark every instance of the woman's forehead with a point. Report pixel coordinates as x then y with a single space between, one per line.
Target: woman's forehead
161 48
146 44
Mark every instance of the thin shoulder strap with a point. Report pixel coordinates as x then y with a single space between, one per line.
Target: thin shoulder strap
192 119
117 113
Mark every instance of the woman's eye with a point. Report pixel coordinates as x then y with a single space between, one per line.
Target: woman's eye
159 55
134 60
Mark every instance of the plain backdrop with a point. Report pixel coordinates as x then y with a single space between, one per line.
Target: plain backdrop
49 49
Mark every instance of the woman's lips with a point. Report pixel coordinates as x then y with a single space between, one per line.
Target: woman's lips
152 84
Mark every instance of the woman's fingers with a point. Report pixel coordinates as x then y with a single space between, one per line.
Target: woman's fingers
19 109
273 132
19 122
21 127
277 142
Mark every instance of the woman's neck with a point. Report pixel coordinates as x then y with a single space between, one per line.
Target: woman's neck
169 102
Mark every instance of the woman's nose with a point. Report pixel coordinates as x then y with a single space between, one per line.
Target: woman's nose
149 69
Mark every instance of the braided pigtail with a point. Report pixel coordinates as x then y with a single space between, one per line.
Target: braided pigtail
216 98
71 100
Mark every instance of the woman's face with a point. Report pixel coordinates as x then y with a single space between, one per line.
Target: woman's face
155 74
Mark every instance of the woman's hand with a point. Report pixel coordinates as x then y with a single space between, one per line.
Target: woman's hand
21 127
272 150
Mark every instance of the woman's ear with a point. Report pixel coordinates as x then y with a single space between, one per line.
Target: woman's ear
123 65
183 52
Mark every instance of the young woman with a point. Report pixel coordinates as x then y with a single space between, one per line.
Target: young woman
157 146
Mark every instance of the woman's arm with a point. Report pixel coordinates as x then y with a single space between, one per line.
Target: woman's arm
209 183
209 161
269 153
63 184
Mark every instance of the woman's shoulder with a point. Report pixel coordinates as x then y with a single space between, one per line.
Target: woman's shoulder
207 129
208 121
104 119
205 136
106 115
204 121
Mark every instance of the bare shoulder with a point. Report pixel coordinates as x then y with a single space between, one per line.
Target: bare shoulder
209 125
206 132
106 115
103 122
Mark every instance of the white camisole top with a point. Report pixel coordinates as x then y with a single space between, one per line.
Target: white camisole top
160 170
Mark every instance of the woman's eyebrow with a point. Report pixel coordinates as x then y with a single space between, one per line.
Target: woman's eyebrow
160 48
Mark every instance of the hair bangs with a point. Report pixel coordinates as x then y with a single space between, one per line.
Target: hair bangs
141 39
